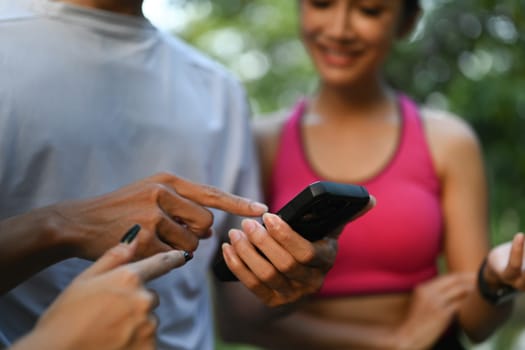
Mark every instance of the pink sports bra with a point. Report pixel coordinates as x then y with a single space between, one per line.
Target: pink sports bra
393 247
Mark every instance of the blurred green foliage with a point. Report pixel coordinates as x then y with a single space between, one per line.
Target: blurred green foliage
469 58
466 56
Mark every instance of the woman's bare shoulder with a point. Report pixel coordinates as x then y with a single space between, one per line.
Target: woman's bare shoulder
451 139
447 128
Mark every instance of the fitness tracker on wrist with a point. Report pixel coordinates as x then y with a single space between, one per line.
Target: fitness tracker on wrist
498 296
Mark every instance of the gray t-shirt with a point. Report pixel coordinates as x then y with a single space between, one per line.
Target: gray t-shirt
91 101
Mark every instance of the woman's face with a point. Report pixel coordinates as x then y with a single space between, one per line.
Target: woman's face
348 40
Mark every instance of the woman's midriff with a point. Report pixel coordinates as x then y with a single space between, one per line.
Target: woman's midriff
386 309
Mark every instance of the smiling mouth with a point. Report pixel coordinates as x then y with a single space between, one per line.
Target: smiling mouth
338 57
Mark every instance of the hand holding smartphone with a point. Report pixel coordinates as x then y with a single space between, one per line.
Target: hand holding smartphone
318 210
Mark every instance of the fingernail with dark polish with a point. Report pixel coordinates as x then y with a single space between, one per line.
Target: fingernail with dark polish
131 234
188 256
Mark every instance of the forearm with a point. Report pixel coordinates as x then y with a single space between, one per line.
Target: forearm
28 244
300 331
241 318
479 319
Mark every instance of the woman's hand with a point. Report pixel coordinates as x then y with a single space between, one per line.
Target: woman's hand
433 306
505 264
106 307
292 267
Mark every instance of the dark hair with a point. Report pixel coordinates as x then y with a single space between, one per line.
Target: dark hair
411 8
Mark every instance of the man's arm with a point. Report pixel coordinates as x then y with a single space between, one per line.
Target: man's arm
28 244
172 212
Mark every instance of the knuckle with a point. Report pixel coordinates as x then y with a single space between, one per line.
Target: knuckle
148 217
158 217
255 286
282 235
192 241
163 176
129 276
117 253
145 301
307 255
212 193
205 221
157 190
268 275
207 218
190 244
235 265
258 239
288 266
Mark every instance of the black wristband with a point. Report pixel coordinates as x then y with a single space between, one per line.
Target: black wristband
495 297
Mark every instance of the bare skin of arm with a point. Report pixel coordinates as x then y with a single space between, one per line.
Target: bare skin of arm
433 305
465 208
172 212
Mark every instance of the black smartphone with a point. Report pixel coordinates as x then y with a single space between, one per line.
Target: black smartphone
319 209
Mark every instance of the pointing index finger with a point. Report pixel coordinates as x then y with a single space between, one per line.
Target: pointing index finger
213 197
160 264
